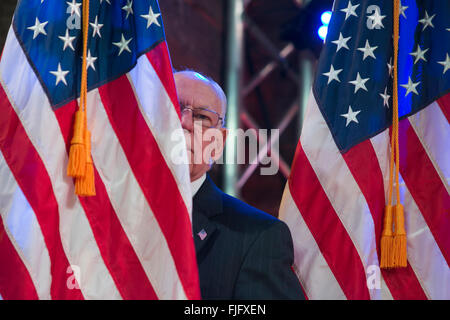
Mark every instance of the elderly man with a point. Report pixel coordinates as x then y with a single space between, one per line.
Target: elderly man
242 252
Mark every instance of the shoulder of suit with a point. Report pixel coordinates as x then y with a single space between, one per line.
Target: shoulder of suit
242 212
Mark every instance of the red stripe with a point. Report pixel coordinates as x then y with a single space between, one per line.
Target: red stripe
365 168
160 60
444 104
34 181
154 178
425 186
15 281
125 268
333 240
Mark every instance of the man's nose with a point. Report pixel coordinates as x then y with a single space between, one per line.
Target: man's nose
186 120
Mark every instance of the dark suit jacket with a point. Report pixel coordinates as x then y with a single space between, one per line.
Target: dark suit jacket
246 254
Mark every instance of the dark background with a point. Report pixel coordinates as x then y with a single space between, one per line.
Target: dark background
196 35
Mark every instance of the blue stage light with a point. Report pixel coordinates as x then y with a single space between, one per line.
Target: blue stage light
325 18
322 32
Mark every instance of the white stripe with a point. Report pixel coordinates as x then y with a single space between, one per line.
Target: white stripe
309 264
40 123
24 231
162 119
130 204
341 189
424 255
433 131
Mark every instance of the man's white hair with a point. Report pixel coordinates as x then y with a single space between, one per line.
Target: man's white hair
215 85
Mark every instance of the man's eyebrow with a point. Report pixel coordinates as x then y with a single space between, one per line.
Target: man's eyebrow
184 102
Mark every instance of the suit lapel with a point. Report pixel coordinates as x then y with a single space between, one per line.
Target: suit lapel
207 203
204 230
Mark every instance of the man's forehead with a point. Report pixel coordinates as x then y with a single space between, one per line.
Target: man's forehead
191 78
193 86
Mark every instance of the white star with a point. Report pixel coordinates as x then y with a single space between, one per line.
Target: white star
128 8
38 28
151 17
419 54
410 86
67 40
385 97
341 42
90 61
377 19
350 10
390 66
123 45
402 10
445 63
359 83
332 74
74 8
368 50
60 75
350 115
96 26
101 1
426 21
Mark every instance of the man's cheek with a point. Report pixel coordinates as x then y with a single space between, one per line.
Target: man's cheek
212 145
197 147
188 138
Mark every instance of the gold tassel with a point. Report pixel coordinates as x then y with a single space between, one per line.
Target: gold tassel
400 259
393 244
85 186
77 154
80 161
387 239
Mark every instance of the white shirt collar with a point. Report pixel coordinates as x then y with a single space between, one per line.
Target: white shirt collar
195 185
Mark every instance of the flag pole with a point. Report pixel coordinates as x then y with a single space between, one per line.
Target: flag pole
235 37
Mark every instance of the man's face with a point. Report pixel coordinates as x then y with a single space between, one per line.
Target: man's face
204 144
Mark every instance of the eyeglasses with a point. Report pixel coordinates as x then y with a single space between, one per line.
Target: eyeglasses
208 118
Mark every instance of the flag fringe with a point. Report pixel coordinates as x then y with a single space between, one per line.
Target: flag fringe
85 185
399 240
77 154
387 240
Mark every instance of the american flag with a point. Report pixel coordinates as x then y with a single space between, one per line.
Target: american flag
337 190
133 240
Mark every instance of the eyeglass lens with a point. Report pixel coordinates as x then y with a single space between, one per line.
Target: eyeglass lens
206 117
